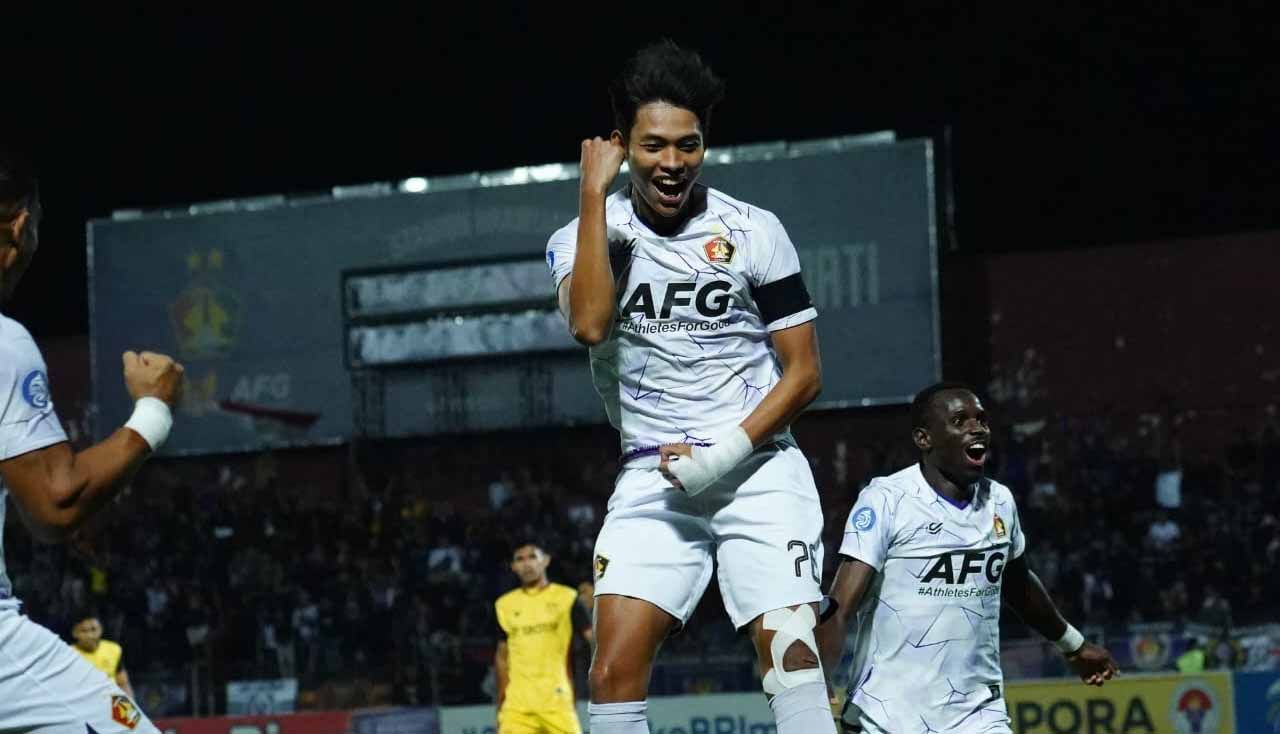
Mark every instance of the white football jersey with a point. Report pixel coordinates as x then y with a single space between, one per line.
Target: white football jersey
689 354
27 419
928 630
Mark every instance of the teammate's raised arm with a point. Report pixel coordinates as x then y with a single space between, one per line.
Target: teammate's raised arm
57 489
1026 595
591 294
45 686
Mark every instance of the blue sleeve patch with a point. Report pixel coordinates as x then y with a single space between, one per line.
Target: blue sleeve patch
35 389
862 520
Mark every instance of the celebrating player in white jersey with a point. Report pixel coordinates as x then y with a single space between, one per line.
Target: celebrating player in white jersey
703 348
45 687
929 554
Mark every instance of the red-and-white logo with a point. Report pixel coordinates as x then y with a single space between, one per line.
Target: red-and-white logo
124 713
719 250
1194 709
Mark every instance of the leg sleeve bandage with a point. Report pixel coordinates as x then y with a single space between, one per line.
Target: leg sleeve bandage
791 626
619 718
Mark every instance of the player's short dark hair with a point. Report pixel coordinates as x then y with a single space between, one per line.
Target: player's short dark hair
665 72
522 541
84 613
18 187
923 402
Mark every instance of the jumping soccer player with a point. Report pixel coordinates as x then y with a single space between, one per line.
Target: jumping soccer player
929 555
45 688
704 349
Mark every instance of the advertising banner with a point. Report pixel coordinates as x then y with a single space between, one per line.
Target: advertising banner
396 721
723 713
1151 704
326 722
262 696
1257 702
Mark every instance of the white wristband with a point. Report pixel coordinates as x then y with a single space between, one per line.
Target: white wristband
152 420
709 463
1071 641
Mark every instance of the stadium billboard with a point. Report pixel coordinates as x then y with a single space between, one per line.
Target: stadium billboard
250 294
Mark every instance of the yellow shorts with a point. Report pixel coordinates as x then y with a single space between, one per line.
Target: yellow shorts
554 721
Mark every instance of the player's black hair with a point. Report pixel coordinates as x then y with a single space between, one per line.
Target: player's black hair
521 541
664 72
84 613
923 401
18 189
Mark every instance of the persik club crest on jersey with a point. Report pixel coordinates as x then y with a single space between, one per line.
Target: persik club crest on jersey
998 526
719 250
124 713
602 565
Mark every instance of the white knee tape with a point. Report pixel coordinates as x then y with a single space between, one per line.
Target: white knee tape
788 627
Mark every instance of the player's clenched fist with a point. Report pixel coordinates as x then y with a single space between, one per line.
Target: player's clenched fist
601 161
152 375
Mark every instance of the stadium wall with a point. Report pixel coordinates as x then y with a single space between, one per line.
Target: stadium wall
1184 325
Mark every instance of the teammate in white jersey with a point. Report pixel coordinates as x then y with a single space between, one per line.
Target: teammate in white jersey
929 555
45 687
704 349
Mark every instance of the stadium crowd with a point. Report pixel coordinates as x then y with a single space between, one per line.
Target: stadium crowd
387 565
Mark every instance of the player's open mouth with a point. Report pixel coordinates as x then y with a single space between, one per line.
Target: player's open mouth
976 452
670 191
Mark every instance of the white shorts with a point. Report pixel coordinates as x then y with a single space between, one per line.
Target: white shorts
47 688
761 523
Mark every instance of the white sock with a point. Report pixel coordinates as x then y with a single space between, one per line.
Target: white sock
622 718
804 709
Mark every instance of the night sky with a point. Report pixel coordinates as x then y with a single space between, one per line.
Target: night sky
1081 129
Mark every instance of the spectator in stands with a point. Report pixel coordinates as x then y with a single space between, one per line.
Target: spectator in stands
1216 610
1191 662
1163 532
1270 453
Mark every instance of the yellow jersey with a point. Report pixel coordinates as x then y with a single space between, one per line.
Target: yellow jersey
538 627
106 658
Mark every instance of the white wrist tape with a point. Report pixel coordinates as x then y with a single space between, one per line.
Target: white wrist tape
1071 641
152 420
709 463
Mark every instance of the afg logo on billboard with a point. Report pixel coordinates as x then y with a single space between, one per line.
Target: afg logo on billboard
1194 709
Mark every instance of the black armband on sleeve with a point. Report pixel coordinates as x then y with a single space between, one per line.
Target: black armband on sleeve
782 298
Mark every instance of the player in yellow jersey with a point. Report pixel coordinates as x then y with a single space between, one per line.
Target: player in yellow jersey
104 655
536 624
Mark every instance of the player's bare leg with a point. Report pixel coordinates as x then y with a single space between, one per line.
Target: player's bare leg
628 633
792 673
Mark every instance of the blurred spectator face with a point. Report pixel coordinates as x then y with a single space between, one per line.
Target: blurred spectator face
87 633
529 562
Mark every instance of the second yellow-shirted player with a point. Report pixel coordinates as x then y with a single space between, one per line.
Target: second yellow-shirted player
103 654
536 625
